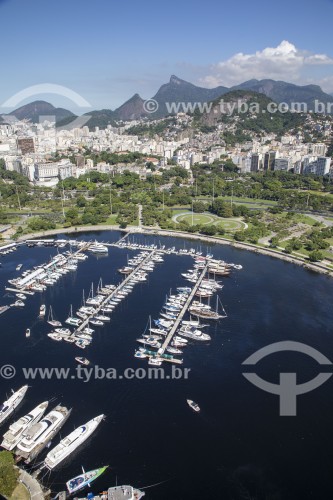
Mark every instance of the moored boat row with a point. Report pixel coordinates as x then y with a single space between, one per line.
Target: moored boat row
171 332
30 434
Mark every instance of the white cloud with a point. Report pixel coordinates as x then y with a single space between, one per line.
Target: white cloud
326 83
284 62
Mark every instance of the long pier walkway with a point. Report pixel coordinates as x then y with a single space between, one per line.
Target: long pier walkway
115 291
182 312
121 239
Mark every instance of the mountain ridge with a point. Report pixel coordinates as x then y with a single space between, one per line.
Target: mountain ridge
36 109
177 91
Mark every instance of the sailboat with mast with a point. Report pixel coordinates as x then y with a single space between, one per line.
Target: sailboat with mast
51 321
204 311
92 299
82 480
72 320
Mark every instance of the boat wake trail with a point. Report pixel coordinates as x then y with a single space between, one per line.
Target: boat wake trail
157 484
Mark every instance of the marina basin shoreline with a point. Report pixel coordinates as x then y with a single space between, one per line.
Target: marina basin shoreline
319 268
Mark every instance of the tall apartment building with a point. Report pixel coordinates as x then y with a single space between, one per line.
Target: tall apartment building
269 159
255 162
317 166
281 164
50 173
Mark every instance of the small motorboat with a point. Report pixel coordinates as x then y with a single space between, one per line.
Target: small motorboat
21 296
155 361
18 303
96 322
174 350
88 330
70 340
82 361
140 355
193 405
54 336
102 318
27 332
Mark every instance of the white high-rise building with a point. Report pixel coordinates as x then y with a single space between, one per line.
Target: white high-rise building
317 166
323 165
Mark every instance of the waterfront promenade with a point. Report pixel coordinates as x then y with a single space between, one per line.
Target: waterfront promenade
317 267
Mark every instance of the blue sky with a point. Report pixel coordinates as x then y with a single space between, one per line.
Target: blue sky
107 50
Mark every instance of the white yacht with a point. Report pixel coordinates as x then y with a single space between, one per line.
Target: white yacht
87 310
19 428
103 318
88 330
71 442
96 322
63 331
81 315
81 256
192 333
195 323
41 433
98 248
55 336
124 493
9 406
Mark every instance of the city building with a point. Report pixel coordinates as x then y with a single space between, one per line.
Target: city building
281 164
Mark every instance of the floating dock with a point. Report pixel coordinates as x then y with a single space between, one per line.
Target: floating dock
114 292
182 312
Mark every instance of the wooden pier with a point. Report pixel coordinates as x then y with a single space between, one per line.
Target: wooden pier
182 312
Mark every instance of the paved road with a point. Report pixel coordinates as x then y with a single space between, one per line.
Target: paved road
321 218
140 215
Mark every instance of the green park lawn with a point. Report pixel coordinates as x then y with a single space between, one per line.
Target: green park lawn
249 202
20 493
207 219
111 221
304 219
252 201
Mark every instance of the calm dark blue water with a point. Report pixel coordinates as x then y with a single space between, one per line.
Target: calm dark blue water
238 447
